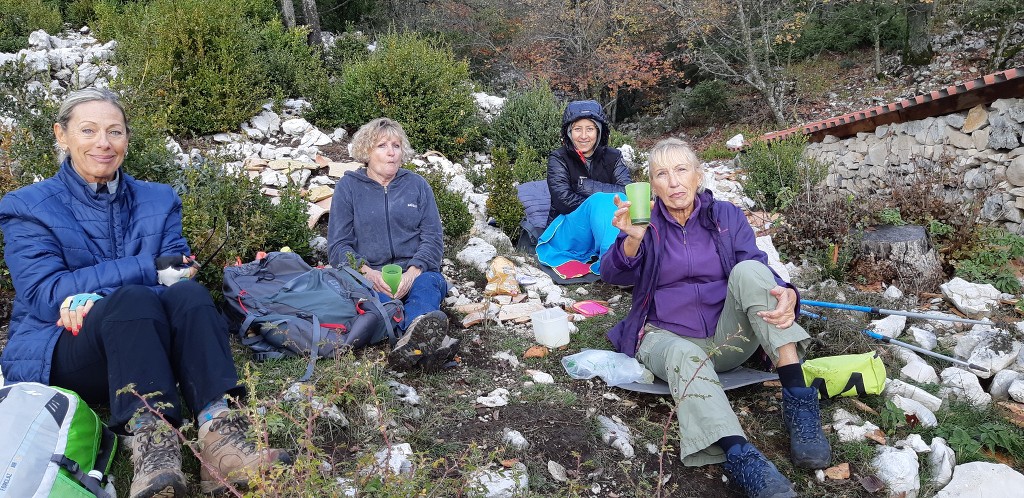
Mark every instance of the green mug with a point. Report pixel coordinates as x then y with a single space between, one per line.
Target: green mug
639 196
392 275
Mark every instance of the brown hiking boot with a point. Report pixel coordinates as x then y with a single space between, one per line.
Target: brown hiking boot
235 457
156 457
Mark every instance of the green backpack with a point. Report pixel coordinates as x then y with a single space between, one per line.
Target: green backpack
53 444
845 375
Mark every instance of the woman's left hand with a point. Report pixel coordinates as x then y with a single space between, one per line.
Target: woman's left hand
783 315
408 277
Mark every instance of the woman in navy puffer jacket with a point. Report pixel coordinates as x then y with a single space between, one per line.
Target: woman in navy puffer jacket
104 300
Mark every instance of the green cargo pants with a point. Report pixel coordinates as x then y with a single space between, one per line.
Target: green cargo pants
690 365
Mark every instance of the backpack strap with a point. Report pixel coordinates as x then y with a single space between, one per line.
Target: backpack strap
314 349
89 482
819 384
377 305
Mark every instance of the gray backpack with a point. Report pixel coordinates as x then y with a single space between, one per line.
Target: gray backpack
284 307
53 445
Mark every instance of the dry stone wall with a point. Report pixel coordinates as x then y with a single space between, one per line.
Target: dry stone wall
978 151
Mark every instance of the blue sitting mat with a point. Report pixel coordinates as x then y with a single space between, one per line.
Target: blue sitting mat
737 377
581 235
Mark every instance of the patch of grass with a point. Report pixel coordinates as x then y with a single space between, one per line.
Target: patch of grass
548 394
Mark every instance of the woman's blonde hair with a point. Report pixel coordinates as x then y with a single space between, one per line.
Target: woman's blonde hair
672 151
370 133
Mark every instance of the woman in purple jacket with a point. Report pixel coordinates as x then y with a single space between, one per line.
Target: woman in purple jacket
701 283
104 299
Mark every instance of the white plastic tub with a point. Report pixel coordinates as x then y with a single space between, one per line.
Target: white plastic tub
551 327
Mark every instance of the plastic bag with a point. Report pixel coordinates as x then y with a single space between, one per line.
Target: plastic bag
501 278
613 368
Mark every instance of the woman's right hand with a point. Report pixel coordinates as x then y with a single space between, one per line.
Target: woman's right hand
376 279
74 309
622 221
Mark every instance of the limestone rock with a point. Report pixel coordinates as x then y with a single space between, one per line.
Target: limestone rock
970 298
924 338
920 372
963 385
994 349
477 253
898 469
1004 133
514 439
504 483
925 416
890 326
896 387
617 435
983 479
977 118
941 461
1015 172
1016 390
1001 382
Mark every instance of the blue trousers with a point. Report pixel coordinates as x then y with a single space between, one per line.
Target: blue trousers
158 342
425 296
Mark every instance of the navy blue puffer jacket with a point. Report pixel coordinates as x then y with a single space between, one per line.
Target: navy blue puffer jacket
61 238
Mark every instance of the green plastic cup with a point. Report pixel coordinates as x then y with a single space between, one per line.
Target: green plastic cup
392 275
639 196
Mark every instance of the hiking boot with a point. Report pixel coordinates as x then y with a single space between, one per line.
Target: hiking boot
808 446
156 458
425 345
758 477
224 446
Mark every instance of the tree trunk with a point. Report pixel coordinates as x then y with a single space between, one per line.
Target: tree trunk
906 250
876 32
288 13
917 50
312 15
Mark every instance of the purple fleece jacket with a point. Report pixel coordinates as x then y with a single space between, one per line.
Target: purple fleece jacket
733 240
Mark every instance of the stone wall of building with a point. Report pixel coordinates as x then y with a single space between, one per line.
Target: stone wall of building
978 152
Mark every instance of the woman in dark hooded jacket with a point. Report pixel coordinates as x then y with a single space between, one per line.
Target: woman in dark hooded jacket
583 176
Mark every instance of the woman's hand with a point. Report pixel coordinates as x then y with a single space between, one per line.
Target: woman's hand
634 233
783 315
74 309
408 277
376 279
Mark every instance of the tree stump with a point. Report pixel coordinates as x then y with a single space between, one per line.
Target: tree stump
907 250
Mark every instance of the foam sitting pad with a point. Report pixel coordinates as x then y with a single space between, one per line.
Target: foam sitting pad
572 269
737 377
586 278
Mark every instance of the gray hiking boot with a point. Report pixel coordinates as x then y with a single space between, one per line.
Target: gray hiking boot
156 458
753 473
226 448
425 345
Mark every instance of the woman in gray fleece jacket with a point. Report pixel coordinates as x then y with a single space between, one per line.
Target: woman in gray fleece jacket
384 214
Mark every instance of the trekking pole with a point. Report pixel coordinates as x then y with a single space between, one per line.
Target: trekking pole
926 316
887 340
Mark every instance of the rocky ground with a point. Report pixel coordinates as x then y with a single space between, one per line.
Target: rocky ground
581 437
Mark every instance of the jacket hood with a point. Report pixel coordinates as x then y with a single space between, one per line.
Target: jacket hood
584 109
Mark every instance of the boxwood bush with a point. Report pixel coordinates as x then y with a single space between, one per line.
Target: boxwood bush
415 81
19 18
531 118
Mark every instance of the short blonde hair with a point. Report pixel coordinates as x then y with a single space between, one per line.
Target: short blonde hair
370 133
671 151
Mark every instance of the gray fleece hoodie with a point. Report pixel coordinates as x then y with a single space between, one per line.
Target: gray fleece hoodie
396 224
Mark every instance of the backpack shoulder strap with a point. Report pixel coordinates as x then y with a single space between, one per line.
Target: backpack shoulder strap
373 300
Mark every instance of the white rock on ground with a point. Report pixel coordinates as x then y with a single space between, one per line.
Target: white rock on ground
765 244
395 458
890 326
477 253
925 338
892 293
911 407
508 357
987 347
999 389
850 427
540 377
971 299
1016 390
983 479
503 483
514 439
920 372
895 387
405 394
963 385
494 399
941 462
898 469
915 443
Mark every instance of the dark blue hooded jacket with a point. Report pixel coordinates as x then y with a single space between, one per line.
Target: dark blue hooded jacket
570 180
61 239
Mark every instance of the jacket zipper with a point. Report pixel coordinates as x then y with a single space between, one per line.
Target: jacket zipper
387 221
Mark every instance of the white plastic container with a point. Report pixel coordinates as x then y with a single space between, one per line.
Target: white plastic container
551 327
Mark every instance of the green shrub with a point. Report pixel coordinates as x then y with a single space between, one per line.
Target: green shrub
617 139
503 202
28 148
777 171
850 25
891 216
707 102
78 13
455 217
218 205
19 18
418 83
349 47
199 67
716 151
532 118
989 260
529 165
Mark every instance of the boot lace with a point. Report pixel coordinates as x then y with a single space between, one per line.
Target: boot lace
749 469
155 448
233 429
805 422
